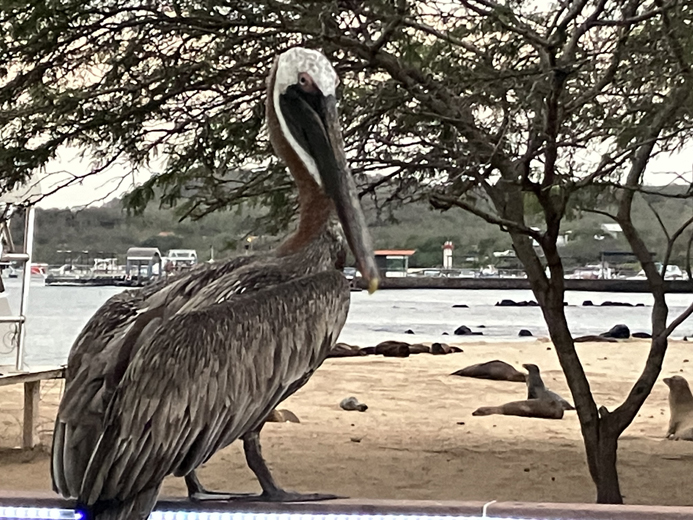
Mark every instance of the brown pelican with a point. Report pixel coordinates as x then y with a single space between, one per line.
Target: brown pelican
197 363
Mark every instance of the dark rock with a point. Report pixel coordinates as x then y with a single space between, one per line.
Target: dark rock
616 304
440 348
460 306
352 404
445 334
481 327
590 337
368 351
418 348
513 303
619 331
344 350
495 370
409 331
641 335
639 304
685 338
455 349
587 303
463 330
393 349
524 333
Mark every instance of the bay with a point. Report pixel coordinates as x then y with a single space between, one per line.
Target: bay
57 314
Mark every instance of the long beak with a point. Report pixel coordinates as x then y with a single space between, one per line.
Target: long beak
341 188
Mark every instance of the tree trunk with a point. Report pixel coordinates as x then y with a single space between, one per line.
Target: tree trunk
608 489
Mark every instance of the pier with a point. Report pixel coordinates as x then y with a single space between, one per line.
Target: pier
440 282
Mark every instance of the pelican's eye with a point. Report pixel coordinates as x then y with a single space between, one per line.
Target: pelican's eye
306 83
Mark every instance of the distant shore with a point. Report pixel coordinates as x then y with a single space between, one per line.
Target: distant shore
614 285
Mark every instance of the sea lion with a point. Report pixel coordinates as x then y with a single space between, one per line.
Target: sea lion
282 415
495 370
680 409
343 350
539 408
537 390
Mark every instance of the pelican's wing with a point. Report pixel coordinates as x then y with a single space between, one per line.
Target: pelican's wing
100 356
207 376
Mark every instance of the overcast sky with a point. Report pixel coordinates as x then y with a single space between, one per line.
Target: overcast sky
113 183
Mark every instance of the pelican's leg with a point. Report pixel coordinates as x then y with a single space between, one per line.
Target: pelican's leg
271 492
198 493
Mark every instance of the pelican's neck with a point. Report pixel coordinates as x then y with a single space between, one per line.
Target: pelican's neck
314 209
314 206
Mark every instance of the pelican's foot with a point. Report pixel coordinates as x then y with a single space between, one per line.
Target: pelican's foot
291 496
207 496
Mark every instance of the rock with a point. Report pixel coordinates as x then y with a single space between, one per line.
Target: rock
368 351
440 348
513 303
481 327
282 416
590 337
460 306
445 334
418 348
524 333
409 331
685 338
463 330
393 349
587 303
639 304
352 404
641 335
619 331
616 304
455 349
344 350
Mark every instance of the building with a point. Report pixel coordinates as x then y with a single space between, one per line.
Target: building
393 263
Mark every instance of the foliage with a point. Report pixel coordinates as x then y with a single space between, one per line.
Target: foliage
521 113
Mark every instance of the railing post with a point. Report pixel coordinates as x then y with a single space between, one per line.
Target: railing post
26 282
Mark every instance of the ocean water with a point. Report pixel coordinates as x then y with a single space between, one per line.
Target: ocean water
57 314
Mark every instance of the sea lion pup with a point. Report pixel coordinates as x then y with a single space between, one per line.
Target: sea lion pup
495 370
680 409
539 408
537 390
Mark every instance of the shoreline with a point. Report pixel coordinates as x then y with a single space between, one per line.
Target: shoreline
410 444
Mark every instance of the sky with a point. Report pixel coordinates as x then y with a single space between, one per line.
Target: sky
98 189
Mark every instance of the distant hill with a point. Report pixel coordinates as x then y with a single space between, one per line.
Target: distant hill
416 226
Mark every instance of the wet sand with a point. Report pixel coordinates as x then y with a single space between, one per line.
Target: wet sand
418 438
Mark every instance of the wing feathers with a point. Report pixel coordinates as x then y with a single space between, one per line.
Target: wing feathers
209 376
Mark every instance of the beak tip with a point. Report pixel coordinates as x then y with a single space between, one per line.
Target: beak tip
373 285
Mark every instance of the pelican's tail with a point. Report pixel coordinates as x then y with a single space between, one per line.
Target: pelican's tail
70 454
137 507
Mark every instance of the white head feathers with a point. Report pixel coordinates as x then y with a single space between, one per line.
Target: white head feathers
290 65
299 60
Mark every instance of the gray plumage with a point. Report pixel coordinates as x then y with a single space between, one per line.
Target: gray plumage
245 362
162 378
537 390
101 354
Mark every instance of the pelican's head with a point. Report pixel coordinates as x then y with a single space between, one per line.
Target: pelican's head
303 97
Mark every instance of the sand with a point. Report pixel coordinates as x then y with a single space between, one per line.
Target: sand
418 438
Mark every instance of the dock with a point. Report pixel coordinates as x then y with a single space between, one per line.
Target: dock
441 282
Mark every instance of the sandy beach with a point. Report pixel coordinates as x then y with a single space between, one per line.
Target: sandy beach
418 438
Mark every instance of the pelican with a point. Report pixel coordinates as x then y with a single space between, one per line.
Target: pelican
162 378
